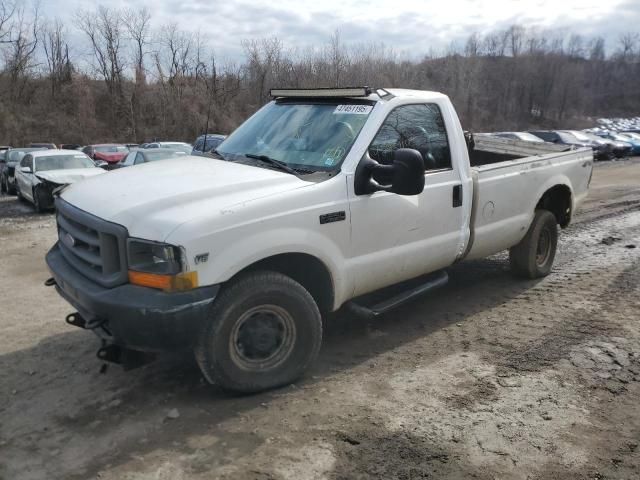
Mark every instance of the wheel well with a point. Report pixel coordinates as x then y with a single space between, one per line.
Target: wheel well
558 201
305 269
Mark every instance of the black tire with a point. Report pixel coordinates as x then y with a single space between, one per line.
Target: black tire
38 200
3 185
263 331
533 256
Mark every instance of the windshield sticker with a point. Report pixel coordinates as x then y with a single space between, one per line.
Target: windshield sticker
353 109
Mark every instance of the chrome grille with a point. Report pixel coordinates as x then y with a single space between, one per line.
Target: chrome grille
93 246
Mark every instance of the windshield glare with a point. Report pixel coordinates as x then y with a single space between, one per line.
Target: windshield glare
161 155
580 136
314 136
63 162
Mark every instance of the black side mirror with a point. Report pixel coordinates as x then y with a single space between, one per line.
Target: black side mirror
406 175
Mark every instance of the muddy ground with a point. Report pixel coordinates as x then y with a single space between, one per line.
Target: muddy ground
489 378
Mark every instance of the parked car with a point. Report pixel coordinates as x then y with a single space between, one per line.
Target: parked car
142 155
71 146
50 146
3 150
41 173
632 138
524 136
8 165
601 150
175 146
213 140
620 149
111 153
238 257
132 146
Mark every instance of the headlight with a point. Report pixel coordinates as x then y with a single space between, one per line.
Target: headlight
158 265
152 257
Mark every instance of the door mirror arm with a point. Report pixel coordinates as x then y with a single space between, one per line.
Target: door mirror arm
406 174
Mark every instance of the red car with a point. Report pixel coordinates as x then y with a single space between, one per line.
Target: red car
111 153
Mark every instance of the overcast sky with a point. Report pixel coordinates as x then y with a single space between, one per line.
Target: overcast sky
410 27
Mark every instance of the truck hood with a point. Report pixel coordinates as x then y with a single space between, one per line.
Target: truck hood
69 175
154 198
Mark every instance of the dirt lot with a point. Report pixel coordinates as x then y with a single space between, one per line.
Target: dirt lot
489 378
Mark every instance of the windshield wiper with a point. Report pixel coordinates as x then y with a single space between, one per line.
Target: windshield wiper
272 161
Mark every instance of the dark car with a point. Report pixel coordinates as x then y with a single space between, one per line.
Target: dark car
143 155
632 138
8 164
50 146
601 150
71 146
111 153
619 148
213 140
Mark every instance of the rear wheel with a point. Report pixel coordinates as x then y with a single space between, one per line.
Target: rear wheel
3 184
263 331
533 256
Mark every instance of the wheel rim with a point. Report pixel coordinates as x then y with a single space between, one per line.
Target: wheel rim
262 338
544 247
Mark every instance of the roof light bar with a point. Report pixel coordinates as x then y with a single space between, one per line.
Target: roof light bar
320 92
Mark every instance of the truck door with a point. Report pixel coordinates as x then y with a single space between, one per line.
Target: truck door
394 237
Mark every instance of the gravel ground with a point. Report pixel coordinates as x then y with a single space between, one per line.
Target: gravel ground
488 378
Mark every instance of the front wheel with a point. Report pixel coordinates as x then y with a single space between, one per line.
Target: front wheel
263 331
533 256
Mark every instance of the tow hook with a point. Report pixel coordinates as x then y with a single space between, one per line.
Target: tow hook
129 359
76 320
50 282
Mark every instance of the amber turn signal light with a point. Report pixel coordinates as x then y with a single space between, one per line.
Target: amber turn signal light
168 283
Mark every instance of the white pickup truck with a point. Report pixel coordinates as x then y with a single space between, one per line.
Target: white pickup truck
320 198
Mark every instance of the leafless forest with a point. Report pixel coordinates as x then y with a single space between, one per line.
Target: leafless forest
132 80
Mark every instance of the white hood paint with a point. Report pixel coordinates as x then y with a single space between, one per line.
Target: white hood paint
69 175
154 198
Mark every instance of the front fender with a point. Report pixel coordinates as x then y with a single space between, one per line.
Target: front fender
227 259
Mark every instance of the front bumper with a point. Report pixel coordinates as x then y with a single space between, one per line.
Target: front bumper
130 316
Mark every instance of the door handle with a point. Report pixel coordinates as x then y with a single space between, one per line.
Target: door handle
457 196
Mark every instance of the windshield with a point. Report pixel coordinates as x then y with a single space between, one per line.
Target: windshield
568 137
177 147
529 137
111 149
154 155
580 136
307 136
632 135
63 162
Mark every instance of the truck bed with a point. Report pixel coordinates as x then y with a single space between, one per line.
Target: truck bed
505 190
488 149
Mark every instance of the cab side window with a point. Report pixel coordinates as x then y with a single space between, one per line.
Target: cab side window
420 127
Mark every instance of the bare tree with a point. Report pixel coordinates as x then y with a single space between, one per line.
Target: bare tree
104 28
23 43
56 51
138 23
